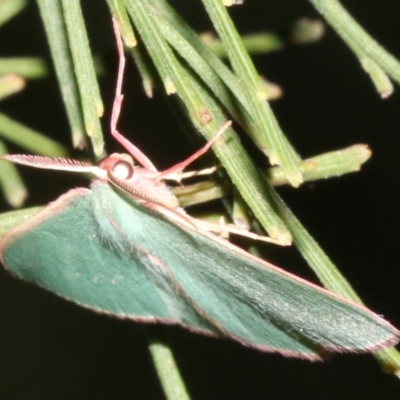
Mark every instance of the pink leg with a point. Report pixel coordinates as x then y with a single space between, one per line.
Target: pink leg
132 149
182 165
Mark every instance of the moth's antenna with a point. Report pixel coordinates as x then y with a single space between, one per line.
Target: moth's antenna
55 163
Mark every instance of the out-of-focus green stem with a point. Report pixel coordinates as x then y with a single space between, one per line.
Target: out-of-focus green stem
165 364
10 8
257 43
30 139
362 44
10 84
11 219
11 183
27 67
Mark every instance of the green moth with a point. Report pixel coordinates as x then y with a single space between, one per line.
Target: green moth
121 255
124 247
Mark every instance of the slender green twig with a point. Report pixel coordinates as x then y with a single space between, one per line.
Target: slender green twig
10 84
54 25
166 366
11 219
10 8
12 185
119 13
29 139
327 165
27 67
92 105
265 131
367 50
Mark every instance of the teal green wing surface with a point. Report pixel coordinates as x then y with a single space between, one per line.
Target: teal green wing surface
63 250
113 255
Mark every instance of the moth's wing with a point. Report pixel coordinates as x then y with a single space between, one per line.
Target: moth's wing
64 250
115 256
241 296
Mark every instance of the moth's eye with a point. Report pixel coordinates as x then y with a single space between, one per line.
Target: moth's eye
123 170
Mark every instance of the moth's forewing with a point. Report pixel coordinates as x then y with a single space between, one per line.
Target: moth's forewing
111 254
62 249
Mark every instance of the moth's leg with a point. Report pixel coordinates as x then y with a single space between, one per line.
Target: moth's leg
205 171
174 172
131 148
178 216
223 229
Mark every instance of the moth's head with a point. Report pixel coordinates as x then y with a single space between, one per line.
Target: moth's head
119 165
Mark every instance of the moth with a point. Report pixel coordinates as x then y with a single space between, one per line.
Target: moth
124 247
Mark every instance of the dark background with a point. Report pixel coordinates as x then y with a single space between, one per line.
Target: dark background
50 348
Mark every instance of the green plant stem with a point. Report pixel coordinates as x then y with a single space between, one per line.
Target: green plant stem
257 43
362 44
10 8
10 84
119 13
27 67
11 183
323 166
146 71
53 22
11 219
30 139
265 131
327 165
92 105
165 364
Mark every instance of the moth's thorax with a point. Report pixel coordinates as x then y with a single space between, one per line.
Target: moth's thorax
137 181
